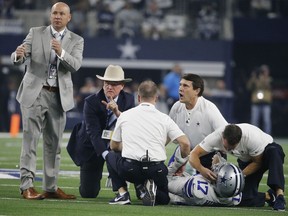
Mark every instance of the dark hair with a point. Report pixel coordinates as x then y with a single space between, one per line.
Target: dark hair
197 82
147 89
232 133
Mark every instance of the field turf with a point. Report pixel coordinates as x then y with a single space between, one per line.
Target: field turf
11 203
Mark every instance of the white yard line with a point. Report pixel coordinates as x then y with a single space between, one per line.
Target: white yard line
40 172
66 135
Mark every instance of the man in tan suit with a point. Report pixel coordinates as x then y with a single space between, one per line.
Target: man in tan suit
45 94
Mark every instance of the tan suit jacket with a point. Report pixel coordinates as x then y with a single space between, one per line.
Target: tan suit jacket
38 48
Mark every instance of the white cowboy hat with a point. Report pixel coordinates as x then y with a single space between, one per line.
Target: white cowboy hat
114 73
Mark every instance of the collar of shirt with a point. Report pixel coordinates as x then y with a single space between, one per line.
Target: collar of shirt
146 104
54 31
198 103
115 99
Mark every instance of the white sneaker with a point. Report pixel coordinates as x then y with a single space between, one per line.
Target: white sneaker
150 195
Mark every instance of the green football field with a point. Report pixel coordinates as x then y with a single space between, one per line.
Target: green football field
11 203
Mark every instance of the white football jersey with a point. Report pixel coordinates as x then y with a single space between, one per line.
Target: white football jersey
196 190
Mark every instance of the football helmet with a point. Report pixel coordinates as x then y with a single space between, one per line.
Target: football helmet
230 181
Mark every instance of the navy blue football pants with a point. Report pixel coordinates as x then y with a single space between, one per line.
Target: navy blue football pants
122 170
273 160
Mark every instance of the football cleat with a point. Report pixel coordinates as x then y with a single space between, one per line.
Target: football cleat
149 197
108 183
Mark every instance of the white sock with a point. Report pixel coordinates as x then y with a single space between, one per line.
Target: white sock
121 194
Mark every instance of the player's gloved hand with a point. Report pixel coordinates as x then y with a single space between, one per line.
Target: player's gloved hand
177 164
217 162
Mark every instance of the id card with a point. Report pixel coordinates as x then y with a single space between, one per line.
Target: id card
107 134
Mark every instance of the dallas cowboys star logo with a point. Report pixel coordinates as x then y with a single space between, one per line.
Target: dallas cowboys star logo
224 180
128 50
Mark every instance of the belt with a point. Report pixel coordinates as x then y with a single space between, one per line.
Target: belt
51 88
142 162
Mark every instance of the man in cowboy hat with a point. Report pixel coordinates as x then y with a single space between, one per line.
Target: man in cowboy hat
89 141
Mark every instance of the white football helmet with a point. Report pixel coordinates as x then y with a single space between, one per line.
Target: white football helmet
230 181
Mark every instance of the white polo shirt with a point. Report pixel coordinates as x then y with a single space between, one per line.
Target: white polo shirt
252 143
145 128
199 122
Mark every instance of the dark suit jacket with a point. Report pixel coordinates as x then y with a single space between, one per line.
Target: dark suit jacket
85 140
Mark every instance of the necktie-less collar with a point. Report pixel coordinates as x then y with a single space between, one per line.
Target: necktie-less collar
146 104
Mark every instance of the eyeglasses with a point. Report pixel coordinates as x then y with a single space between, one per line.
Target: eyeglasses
106 83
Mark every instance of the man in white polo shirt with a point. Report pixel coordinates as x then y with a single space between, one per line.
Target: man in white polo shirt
256 152
140 135
196 116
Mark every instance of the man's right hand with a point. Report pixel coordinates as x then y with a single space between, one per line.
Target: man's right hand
112 105
20 52
208 174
